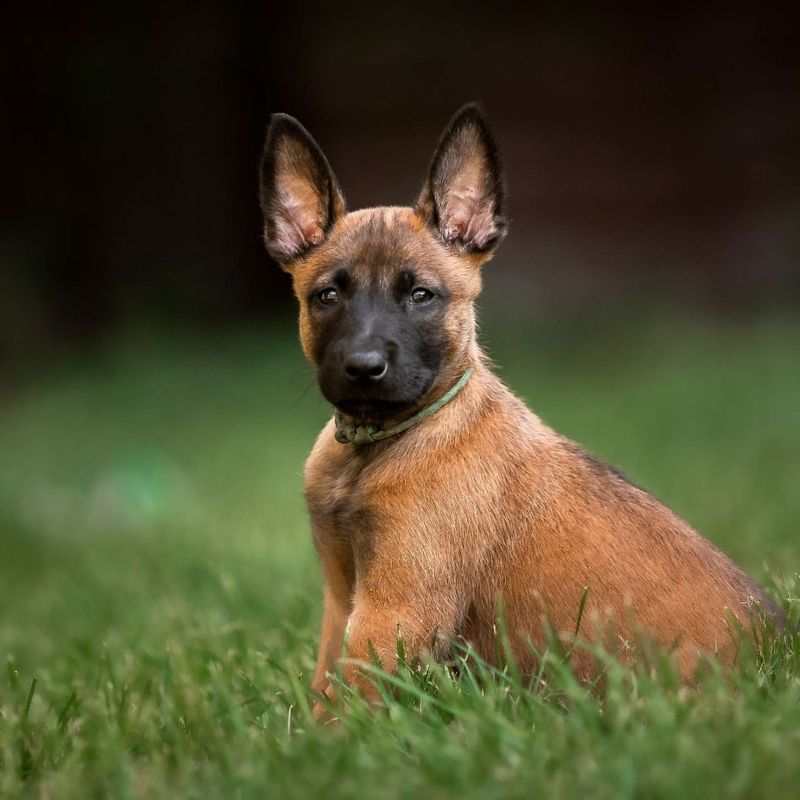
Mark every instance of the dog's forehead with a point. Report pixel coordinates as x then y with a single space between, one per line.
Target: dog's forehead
373 244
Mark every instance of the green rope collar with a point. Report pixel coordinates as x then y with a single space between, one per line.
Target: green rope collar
366 434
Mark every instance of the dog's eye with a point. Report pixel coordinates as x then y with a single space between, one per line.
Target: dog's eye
328 296
421 295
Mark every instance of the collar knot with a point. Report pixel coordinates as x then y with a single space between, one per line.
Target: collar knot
367 434
357 434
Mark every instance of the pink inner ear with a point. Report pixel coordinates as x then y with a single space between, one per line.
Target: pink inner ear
481 228
467 212
297 221
466 207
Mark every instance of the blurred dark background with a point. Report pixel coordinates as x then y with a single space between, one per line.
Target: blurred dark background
652 155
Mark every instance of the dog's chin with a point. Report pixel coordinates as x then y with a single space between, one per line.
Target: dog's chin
373 411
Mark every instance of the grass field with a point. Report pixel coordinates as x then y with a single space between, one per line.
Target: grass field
159 594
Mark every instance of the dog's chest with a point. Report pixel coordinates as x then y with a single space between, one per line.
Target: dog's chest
337 495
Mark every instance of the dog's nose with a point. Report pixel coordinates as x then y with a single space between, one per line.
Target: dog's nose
368 366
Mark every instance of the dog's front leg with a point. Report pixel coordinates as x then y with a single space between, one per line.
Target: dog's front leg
334 621
377 622
337 570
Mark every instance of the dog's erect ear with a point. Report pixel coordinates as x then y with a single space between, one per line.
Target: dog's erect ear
463 198
299 194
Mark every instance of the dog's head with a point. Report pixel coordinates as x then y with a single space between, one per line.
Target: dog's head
386 294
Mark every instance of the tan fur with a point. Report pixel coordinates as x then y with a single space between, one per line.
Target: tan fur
422 533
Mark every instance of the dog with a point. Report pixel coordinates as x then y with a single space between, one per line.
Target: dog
434 492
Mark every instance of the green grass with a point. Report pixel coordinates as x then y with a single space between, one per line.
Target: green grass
159 593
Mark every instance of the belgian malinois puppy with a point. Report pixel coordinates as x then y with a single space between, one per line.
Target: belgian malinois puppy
434 491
